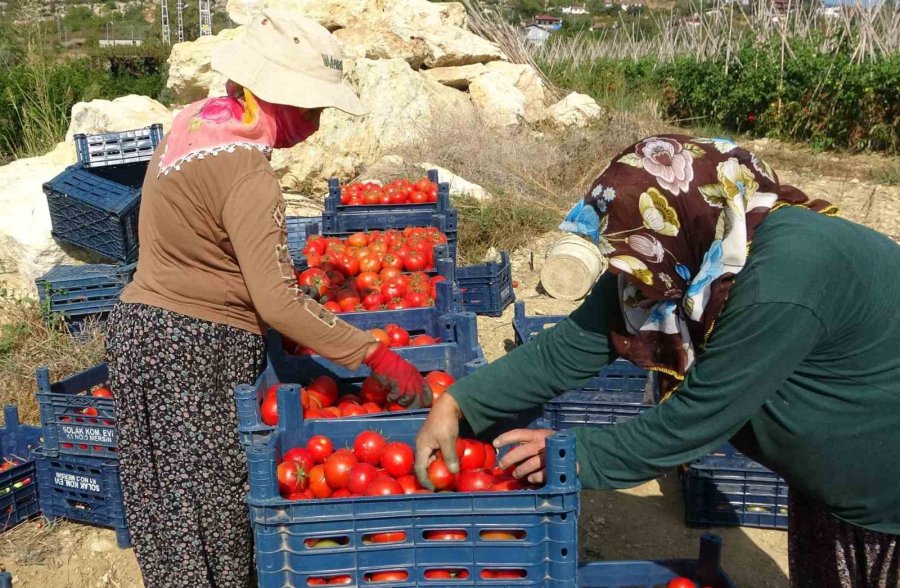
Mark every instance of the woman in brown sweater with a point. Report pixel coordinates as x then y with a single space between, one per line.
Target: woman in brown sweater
214 272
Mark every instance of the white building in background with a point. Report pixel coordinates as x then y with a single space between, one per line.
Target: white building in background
537 34
575 10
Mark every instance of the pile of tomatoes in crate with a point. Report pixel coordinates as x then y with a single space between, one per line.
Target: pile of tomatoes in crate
392 335
376 466
90 412
365 272
321 399
402 191
7 464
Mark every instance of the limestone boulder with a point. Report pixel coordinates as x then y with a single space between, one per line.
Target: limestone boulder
122 114
27 251
337 14
458 186
191 77
458 77
380 42
449 46
575 110
508 94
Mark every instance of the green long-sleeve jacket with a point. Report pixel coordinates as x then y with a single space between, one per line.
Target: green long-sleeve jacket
802 373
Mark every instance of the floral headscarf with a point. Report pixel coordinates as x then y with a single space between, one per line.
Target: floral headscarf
240 120
677 213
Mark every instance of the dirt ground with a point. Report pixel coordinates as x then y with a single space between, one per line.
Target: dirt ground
641 523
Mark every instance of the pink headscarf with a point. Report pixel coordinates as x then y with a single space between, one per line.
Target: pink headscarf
214 125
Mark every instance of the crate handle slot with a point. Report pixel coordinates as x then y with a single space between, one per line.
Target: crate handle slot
383 537
446 535
386 576
502 534
340 580
327 542
451 574
503 574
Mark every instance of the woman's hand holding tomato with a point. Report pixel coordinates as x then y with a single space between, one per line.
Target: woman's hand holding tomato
438 433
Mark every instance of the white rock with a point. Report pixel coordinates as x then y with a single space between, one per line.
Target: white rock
337 14
528 81
121 114
27 250
190 76
458 186
575 110
498 101
457 76
451 46
380 42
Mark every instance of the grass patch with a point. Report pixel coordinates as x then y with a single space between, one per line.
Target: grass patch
27 341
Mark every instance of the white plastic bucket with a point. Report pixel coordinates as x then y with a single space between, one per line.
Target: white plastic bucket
572 267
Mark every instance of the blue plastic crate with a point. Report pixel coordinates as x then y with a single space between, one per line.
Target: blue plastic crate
18 485
83 489
706 570
97 208
487 288
107 149
5 580
66 427
80 291
726 489
299 229
546 555
594 408
526 327
459 355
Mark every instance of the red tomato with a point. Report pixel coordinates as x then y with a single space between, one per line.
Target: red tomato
393 289
439 377
445 535
681 582
337 468
368 447
505 484
360 477
102 392
333 307
397 197
337 278
369 264
409 483
367 281
503 574
326 386
474 481
390 576
470 453
351 410
490 456
316 279
318 485
314 246
436 391
340 580
438 575
357 240
374 390
391 261
372 408
423 340
341 493
418 198
397 459
268 411
348 265
300 455
416 299
415 261
386 537
351 398
90 411
371 197
440 476
312 260
395 407
291 478
399 337
379 334
423 185
384 487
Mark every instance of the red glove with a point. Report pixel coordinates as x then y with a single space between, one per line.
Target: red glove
408 387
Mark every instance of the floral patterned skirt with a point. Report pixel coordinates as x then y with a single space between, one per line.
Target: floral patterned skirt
825 552
184 475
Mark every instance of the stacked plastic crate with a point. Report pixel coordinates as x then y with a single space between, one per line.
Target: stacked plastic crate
723 488
18 484
94 205
77 465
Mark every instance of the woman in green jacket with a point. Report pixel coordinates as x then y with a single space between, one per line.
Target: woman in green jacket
765 320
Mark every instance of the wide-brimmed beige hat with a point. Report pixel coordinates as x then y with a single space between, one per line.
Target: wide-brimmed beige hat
285 58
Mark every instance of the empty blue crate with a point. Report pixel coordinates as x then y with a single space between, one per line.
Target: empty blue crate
706 571
545 521
80 291
487 288
95 203
18 484
82 489
726 489
526 327
594 408
74 421
108 149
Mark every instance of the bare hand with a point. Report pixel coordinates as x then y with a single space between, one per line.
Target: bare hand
528 456
438 432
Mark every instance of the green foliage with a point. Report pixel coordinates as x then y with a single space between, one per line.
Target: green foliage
825 99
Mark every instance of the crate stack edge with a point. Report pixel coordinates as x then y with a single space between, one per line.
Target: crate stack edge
78 466
18 485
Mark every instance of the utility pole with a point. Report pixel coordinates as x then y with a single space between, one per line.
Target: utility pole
166 31
205 19
179 7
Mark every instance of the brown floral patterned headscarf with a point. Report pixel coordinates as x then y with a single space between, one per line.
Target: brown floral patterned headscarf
677 214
